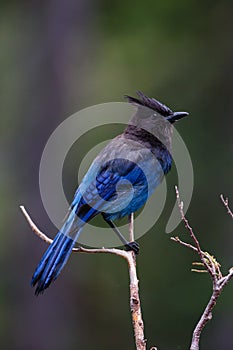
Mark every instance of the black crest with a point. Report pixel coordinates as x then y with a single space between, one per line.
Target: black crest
152 103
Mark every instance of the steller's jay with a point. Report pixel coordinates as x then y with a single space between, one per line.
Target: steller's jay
140 157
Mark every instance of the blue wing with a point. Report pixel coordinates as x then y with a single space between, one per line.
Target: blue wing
95 194
84 207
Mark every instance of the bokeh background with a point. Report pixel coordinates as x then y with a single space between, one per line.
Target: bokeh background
58 57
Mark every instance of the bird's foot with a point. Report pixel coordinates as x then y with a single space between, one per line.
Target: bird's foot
134 246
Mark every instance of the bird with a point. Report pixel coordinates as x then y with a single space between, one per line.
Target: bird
118 183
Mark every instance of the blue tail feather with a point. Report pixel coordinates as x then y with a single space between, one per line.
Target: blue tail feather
52 262
44 260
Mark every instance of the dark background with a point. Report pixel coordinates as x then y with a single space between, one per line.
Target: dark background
58 57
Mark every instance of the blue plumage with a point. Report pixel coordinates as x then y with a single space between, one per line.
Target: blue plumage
119 181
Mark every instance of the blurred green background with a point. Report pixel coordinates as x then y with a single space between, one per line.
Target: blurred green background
58 57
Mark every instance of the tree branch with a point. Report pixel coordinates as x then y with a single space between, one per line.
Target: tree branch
191 232
130 257
212 267
225 203
131 227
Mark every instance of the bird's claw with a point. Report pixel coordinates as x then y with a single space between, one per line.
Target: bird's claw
134 246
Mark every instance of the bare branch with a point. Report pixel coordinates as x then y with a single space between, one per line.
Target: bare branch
34 228
226 205
177 240
131 227
224 280
212 267
135 305
48 240
192 235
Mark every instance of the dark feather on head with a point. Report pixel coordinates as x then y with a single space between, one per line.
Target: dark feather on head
152 103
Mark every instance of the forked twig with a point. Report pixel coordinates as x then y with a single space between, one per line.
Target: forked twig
212 267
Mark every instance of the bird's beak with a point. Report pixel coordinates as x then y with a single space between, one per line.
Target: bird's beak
176 116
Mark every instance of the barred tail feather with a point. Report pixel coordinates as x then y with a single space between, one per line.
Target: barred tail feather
52 262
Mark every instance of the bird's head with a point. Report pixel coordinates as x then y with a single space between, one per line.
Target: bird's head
156 106
154 117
